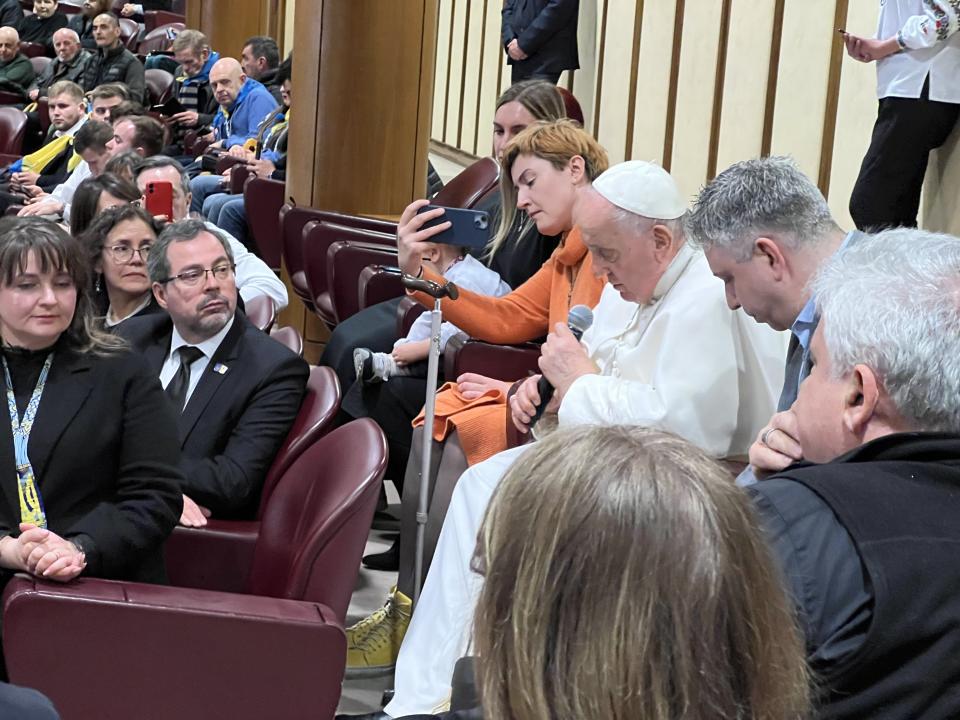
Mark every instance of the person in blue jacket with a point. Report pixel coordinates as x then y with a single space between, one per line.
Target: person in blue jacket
243 102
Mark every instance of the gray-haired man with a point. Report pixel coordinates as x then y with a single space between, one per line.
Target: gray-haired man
765 229
868 538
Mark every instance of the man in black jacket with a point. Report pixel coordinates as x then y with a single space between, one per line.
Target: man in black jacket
540 37
867 538
112 61
236 390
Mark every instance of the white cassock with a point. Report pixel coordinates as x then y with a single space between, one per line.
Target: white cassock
684 363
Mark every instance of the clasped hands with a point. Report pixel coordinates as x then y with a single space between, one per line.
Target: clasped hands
562 361
42 553
514 51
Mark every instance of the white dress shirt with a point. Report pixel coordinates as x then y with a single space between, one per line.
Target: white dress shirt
927 32
208 347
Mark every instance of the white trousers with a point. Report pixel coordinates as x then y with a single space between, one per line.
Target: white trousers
439 631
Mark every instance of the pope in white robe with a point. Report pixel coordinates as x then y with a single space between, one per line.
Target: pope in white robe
664 351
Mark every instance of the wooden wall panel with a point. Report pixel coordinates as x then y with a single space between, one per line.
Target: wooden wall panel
492 52
802 82
653 80
940 205
856 110
441 74
745 83
588 40
457 69
618 51
471 80
695 92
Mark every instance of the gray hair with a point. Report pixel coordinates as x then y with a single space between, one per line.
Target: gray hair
192 40
162 161
892 303
755 197
158 266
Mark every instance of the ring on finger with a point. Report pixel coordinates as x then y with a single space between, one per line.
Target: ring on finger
766 434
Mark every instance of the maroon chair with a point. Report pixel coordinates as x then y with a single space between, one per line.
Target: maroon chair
289 338
238 179
129 33
261 311
501 362
159 86
346 262
407 312
8 97
293 229
39 63
225 546
194 143
33 49
470 186
43 113
13 126
262 200
377 284
152 19
156 38
277 650
318 237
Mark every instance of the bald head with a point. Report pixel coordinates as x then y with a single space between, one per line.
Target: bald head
66 42
106 30
226 79
9 44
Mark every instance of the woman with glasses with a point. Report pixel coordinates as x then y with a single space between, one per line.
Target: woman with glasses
118 242
90 457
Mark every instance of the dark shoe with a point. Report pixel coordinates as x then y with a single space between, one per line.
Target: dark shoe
379 715
387 560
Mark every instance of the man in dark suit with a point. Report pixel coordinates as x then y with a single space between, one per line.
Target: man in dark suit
765 228
867 537
540 38
237 390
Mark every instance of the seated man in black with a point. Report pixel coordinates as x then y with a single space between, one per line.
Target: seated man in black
237 391
868 538
112 62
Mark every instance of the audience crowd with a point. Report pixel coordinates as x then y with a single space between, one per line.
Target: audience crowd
737 500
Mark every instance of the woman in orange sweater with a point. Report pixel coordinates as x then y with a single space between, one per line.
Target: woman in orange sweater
543 168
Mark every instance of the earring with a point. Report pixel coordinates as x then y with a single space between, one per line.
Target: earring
98 287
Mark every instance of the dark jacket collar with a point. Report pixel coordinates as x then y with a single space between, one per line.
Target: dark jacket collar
909 446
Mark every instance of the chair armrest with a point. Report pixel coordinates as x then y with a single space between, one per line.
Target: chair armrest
153 19
227 161
133 650
378 284
501 362
408 311
216 557
262 200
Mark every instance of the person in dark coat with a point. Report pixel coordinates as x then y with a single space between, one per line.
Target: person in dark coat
540 37
45 21
82 22
112 62
69 64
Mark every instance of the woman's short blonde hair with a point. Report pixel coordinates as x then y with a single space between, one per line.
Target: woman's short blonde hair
558 142
626 579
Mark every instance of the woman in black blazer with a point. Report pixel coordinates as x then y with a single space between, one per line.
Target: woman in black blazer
103 447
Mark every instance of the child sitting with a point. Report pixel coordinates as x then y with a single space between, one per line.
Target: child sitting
410 353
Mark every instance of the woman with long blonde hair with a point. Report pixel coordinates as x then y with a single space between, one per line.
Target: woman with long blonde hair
626 578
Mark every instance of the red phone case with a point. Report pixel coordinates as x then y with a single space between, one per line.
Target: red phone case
160 199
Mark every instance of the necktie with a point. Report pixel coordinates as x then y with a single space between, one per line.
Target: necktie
177 387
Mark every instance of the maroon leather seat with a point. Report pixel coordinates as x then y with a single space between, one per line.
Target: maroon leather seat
347 260
39 63
377 284
261 311
289 338
159 86
152 19
33 49
129 33
13 125
262 200
318 238
501 362
278 650
156 36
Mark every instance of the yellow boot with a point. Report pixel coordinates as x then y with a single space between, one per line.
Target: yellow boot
374 643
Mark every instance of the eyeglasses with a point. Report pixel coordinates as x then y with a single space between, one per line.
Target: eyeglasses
195 276
124 253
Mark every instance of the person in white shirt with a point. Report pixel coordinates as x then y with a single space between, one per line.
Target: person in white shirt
664 351
410 352
253 276
917 51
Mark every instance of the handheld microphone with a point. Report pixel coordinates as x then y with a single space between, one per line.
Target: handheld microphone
579 319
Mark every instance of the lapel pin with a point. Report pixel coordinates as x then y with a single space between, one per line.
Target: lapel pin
220 368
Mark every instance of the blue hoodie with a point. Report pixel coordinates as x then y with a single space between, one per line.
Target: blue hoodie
240 122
